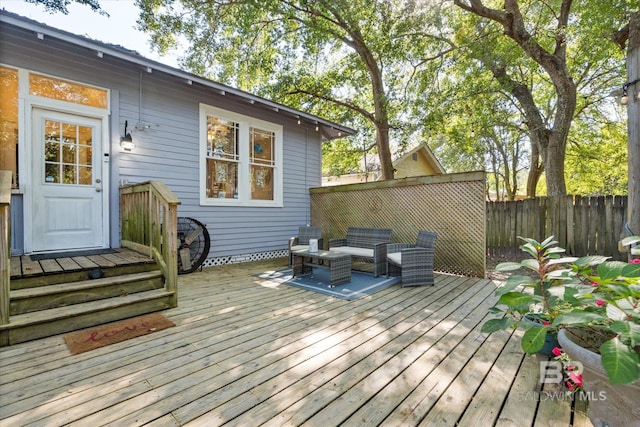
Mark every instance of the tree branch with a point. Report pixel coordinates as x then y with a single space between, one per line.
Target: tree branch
344 104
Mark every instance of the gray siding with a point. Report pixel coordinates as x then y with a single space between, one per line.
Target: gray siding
168 150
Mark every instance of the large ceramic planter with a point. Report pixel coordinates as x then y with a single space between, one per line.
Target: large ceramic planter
609 405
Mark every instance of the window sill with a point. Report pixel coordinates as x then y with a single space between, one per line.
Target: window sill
241 203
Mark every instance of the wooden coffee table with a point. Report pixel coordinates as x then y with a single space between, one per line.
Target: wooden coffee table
339 264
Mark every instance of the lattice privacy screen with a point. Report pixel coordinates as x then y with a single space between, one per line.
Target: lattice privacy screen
452 205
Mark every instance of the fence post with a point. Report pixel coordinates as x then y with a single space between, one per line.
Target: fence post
570 225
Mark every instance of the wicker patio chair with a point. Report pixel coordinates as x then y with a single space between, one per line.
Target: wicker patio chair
301 241
413 262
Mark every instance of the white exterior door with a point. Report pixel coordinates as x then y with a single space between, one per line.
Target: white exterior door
68 203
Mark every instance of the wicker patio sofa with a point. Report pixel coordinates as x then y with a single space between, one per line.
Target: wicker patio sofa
413 262
368 244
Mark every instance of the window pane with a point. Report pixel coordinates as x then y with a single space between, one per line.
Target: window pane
84 155
84 175
222 179
9 123
63 90
52 152
261 183
51 173
67 152
222 138
262 146
69 174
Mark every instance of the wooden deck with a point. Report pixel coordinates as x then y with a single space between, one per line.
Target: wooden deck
248 352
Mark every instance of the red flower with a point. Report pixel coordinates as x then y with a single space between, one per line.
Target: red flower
556 351
601 303
545 322
635 261
576 377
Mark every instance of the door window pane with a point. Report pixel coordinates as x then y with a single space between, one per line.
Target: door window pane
68 153
69 174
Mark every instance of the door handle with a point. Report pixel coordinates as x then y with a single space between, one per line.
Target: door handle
98 190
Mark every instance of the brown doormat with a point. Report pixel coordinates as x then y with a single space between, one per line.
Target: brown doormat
111 333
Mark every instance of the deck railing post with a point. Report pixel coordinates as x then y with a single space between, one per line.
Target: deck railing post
149 225
5 246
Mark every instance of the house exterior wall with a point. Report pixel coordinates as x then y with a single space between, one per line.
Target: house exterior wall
169 149
419 167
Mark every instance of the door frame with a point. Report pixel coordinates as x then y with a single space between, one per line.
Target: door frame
33 102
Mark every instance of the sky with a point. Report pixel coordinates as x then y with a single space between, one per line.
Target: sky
118 28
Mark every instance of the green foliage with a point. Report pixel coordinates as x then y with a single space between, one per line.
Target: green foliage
339 157
596 160
586 293
53 6
350 62
528 93
437 66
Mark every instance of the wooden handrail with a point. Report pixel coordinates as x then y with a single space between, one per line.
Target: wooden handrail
149 225
5 245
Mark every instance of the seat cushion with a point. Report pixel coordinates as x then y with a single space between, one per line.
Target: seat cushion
299 248
395 258
354 251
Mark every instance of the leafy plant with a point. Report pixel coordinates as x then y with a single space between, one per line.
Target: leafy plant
590 293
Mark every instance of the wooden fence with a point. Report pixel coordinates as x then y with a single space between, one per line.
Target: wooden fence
581 225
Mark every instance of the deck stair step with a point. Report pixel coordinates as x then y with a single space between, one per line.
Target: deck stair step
63 294
54 278
53 321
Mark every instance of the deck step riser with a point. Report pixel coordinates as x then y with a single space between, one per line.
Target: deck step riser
74 276
87 319
30 303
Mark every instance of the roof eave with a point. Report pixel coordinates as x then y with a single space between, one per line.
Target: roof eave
329 130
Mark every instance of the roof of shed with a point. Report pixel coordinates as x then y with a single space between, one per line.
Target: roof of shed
328 129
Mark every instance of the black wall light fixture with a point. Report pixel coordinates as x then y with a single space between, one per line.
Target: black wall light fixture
126 142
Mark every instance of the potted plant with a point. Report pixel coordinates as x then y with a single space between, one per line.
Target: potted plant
593 304
532 301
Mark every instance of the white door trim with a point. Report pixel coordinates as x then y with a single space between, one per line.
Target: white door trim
103 156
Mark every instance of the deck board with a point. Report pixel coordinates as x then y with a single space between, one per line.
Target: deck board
247 351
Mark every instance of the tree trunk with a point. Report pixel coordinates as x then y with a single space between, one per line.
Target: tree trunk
553 159
551 140
384 152
535 170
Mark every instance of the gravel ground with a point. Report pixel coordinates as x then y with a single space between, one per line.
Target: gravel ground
492 262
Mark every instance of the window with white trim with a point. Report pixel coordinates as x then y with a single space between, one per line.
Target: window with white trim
241 159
